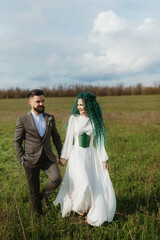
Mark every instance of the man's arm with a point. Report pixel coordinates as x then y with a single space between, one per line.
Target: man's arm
18 139
56 138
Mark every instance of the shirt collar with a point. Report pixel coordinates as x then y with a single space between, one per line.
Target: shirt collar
37 115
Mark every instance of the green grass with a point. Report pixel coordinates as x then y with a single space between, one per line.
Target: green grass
133 146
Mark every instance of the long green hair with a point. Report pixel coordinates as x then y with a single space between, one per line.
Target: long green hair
94 113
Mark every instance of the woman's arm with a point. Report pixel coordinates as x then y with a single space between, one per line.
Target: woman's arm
68 143
102 155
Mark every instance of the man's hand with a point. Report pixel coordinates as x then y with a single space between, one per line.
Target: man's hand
62 161
105 165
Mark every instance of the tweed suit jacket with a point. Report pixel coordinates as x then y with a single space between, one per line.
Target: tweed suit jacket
29 144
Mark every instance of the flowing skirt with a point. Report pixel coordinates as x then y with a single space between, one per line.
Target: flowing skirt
87 187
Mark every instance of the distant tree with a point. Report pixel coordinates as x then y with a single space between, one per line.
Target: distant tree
73 90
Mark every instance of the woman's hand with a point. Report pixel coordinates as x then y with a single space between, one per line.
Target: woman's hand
105 165
62 161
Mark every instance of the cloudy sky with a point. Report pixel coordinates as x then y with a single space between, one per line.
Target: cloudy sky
100 42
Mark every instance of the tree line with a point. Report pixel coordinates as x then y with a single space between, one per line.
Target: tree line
73 90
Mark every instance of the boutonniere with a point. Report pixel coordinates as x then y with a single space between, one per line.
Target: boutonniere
48 120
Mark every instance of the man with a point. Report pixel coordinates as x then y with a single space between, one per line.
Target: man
35 129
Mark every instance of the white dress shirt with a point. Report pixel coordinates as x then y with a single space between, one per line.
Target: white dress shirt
40 123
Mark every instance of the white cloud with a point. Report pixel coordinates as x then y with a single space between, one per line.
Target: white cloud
115 54
148 23
109 22
124 49
52 60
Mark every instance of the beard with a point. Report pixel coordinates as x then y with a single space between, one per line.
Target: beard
39 109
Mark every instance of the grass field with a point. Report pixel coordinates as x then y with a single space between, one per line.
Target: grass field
133 146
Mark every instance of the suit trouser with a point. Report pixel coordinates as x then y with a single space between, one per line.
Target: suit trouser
33 179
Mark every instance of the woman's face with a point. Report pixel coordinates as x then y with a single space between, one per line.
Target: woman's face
81 107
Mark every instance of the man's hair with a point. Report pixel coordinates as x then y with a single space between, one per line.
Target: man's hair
35 92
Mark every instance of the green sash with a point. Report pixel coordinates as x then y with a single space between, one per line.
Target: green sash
84 140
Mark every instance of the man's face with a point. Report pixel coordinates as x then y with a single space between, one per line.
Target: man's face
37 104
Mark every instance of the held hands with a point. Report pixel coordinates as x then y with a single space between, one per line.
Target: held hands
62 161
105 165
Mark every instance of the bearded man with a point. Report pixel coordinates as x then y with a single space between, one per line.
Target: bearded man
32 143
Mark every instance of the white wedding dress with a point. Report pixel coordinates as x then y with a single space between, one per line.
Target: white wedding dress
86 186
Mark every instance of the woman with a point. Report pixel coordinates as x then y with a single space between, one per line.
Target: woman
86 188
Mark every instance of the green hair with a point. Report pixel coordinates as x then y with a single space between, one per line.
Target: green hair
94 113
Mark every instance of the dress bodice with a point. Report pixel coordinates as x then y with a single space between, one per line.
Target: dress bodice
78 125
83 132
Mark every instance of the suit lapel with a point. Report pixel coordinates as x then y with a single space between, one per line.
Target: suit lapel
45 117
